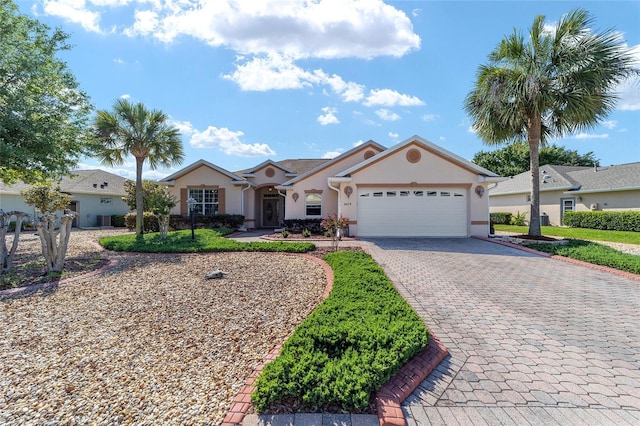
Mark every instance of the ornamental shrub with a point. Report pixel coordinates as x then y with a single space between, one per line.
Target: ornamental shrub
117 221
608 220
352 344
501 218
150 223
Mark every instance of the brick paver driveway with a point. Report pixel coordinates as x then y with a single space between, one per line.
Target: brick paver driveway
532 340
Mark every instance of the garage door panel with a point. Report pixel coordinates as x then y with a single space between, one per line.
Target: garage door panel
412 212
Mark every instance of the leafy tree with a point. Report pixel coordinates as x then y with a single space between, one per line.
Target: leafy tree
160 204
132 129
550 84
149 187
48 201
43 114
513 159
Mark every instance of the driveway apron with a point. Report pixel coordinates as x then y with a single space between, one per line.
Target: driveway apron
532 340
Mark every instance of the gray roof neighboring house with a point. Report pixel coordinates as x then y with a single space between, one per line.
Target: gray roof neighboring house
93 182
573 179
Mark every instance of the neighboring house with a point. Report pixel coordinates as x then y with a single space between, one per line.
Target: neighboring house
414 188
95 196
568 188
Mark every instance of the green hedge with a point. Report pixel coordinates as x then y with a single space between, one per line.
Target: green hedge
501 218
352 344
177 222
612 221
117 220
150 222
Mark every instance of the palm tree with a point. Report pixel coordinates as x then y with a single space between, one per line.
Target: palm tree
556 82
131 129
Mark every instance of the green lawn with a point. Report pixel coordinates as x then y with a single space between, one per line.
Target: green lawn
206 240
595 253
628 237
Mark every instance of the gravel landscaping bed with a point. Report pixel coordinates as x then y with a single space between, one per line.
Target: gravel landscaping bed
150 340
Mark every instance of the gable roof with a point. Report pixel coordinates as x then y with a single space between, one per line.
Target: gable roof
574 179
327 163
265 164
80 182
169 179
429 146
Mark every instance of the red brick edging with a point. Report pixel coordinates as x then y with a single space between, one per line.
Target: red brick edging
600 268
389 397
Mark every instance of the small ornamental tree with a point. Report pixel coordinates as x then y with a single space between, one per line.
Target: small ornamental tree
48 201
334 224
6 256
160 203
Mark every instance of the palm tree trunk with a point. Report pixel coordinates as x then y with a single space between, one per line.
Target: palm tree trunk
534 133
139 199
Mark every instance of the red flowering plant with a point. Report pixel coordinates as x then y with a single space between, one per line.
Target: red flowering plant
333 225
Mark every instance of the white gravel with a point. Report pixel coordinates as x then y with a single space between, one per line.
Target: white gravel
149 341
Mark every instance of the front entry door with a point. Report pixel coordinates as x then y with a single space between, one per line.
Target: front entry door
270 212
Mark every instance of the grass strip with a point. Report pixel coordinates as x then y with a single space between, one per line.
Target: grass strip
595 253
352 343
206 240
628 237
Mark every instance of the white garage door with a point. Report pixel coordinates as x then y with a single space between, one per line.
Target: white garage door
412 212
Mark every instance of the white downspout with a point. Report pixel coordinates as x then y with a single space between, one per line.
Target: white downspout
339 212
242 228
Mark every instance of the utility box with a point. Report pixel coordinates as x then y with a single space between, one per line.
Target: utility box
104 220
544 220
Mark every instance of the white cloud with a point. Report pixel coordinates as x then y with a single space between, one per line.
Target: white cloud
228 141
185 127
328 117
75 11
472 130
430 117
629 90
591 136
389 98
319 29
125 96
442 138
119 61
387 115
270 72
358 143
393 135
610 124
332 154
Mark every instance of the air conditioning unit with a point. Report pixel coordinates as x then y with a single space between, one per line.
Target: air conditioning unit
594 206
104 220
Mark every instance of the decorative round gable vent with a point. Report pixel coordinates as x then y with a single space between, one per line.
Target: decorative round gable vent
413 155
368 154
270 172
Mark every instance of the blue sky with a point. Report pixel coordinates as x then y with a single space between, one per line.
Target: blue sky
249 80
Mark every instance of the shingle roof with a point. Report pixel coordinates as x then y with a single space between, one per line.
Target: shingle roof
81 182
298 166
573 178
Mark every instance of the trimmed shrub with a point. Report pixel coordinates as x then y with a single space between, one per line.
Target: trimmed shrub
296 226
611 221
117 220
352 344
501 218
232 221
150 222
